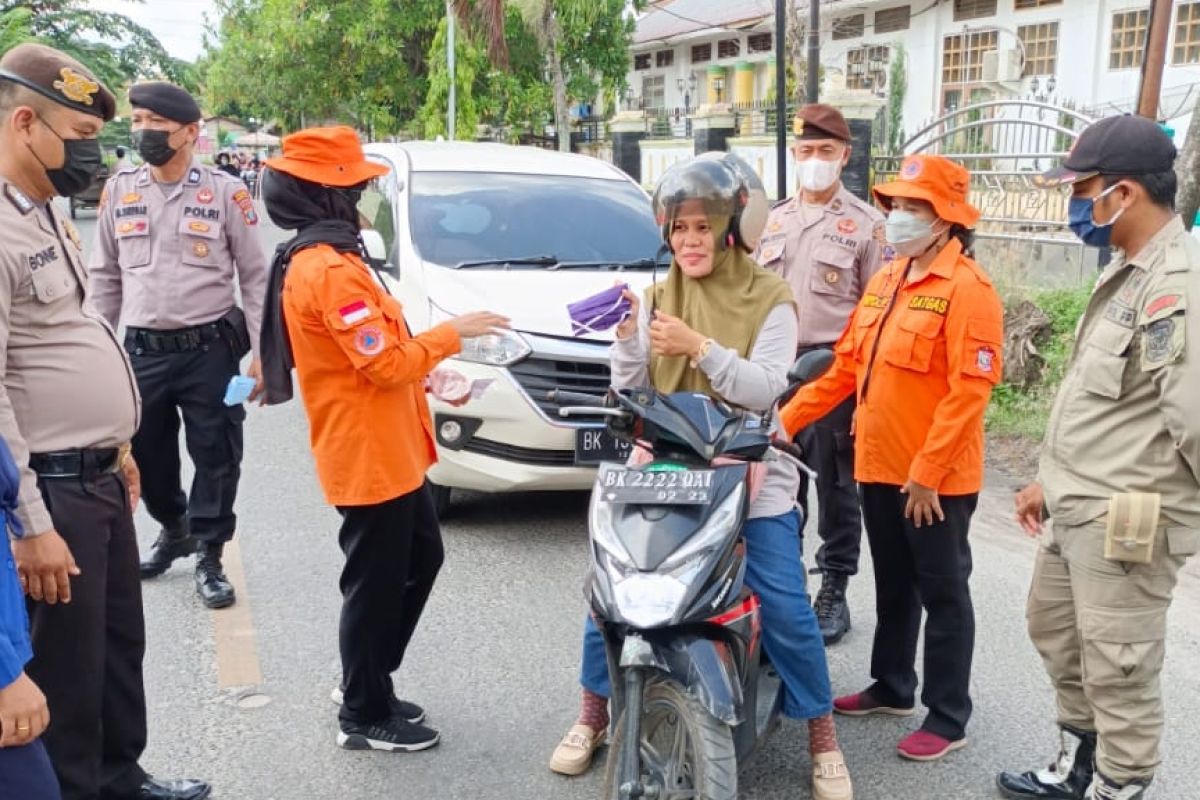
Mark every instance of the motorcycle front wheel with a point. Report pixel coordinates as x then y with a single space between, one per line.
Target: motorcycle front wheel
685 751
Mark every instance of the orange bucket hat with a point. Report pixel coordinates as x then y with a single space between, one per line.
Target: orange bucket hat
328 156
936 180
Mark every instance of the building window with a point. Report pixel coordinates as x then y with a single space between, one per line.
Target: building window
962 56
1187 34
1041 48
729 48
654 91
1128 39
867 67
759 43
849 27
701 53
1024 4
974 9
641 61
890 20
664 58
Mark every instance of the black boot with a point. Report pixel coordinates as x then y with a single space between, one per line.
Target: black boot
1066 779
211 584
173 542
833 613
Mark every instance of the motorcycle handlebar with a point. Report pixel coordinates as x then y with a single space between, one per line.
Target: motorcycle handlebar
565 398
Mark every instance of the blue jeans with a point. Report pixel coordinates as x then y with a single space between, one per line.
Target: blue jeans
25 773
791 637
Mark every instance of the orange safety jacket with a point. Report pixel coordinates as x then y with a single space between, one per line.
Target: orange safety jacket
362 377
923 356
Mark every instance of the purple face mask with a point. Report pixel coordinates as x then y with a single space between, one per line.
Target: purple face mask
600 311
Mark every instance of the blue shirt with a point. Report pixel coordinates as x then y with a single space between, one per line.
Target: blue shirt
15 650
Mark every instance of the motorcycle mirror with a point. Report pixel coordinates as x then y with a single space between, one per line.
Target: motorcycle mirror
810 366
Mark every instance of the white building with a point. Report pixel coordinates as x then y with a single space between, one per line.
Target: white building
1086 53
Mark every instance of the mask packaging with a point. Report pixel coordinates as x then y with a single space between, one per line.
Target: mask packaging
600 311
239 389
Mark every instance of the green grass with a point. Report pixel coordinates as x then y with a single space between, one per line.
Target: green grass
1024 412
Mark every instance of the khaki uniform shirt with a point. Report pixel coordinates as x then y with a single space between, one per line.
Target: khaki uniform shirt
827 262
1126 417
166 259
66 381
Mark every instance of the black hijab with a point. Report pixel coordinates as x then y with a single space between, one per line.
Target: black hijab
319 215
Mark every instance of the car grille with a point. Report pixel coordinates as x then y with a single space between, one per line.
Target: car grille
539 375
523 455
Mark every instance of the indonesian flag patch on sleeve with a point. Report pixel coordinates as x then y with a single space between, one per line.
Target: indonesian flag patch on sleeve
355 313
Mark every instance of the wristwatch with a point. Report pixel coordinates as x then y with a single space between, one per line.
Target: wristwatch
705 347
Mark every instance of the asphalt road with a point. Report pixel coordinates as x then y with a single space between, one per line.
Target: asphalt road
495 660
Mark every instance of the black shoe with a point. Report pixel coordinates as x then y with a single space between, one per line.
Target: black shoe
1066 779
1103 788
409 712
833 613
214 588
181 789
173 542
394 735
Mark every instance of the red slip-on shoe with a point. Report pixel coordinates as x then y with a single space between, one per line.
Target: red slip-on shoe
862 705
926 746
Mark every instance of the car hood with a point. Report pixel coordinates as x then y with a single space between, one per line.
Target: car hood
535 299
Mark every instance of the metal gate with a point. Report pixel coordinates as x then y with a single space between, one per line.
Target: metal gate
1005 144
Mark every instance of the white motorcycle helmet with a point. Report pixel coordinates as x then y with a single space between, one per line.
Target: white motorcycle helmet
726 185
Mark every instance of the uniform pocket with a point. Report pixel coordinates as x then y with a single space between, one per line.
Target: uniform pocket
833 270
1122 647
1104 359
53 282
911 344
864 319
133 250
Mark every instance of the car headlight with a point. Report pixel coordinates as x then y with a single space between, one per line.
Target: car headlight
500 349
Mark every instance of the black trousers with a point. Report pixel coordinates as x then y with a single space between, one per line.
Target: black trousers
829 449
393 553
191 383
87 654
922 568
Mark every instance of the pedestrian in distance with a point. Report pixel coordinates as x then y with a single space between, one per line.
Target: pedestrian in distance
921 354
1119 476
362 375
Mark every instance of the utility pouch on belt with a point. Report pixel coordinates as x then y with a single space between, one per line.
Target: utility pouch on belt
234 331
1132 526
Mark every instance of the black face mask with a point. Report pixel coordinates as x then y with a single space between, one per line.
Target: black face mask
81 160
153 146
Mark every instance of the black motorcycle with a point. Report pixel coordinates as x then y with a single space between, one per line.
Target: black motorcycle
693 694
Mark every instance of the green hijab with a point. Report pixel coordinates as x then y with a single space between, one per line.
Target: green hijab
729 306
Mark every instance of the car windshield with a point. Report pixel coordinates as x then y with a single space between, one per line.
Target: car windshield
459 217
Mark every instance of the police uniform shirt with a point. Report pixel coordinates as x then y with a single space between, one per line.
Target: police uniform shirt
1125 417
67 382
827 261
165 255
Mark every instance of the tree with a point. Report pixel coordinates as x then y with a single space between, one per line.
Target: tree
897 89
113 46
469 60
1187 167
796 45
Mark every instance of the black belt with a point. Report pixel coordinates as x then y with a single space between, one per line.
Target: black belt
88 463
180 340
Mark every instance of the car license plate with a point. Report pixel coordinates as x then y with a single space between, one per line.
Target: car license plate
691 487
594 445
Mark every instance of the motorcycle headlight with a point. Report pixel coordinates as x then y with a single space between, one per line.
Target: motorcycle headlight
647 599
500 349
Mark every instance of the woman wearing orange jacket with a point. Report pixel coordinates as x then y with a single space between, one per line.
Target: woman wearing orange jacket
922 353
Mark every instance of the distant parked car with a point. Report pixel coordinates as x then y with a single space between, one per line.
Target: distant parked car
90 197
521 231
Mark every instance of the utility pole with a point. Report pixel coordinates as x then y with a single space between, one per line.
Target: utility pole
1153 59
781 126
814 48
452 111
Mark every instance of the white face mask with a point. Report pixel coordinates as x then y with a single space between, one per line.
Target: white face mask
815 175
909 235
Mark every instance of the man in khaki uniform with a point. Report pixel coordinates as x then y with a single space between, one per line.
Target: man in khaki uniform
68 408
827 244
174 239
1120 471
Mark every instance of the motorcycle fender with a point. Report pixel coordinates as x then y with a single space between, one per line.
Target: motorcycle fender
707 669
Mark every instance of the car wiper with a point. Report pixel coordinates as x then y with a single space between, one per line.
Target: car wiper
520 261
641 263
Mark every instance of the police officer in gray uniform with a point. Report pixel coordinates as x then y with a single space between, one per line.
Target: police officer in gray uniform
173 236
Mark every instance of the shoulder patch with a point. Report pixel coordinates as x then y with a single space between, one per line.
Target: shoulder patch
193 176
1162 303
246 203
18 198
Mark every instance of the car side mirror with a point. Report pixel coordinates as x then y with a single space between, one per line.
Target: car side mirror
810 366
376 250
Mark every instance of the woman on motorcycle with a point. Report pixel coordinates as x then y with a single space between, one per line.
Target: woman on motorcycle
723 326
922 351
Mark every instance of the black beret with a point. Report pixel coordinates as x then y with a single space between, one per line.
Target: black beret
819 121
1122 145
57 76
166 100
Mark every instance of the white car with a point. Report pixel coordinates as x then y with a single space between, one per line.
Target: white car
523 232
